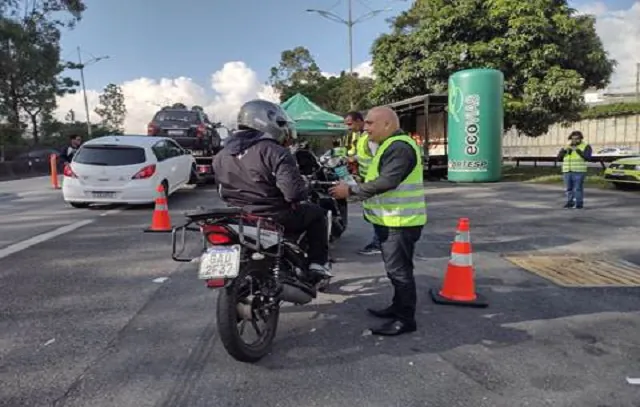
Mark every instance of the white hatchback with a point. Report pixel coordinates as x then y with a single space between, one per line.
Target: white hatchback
125 170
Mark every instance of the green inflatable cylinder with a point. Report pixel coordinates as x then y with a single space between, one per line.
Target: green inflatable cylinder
475 125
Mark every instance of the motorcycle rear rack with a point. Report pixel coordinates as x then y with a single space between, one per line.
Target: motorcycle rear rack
253 244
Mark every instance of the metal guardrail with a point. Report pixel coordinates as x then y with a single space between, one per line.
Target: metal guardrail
602 159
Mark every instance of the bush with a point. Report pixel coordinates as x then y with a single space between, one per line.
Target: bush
612 110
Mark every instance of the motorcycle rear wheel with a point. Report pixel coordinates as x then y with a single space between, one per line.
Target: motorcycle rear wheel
229 317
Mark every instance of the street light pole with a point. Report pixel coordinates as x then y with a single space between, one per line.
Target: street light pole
84 89
349 22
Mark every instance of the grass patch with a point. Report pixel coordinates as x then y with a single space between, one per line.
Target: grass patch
550 175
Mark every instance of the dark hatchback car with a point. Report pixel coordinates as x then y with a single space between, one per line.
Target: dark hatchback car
189 128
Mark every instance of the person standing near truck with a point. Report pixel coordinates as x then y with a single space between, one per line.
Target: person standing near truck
575 158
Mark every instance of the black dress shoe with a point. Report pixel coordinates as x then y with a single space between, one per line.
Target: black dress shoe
394 328
382 313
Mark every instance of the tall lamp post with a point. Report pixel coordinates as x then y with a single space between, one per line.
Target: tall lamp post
349 22
81 66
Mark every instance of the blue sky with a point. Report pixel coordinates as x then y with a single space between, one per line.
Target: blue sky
194 38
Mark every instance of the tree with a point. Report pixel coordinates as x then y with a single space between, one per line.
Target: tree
112 109
298 72
30 65
549 55
30 70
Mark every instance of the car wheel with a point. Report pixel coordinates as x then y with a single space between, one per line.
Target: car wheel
193 178
79 205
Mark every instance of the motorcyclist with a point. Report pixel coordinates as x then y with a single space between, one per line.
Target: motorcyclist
256 171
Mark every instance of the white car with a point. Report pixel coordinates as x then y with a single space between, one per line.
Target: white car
125 170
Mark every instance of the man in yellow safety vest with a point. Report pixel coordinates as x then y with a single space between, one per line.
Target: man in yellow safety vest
355 124
394 203
574 159
362 151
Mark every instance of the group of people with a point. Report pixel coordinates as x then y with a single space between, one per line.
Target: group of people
256 171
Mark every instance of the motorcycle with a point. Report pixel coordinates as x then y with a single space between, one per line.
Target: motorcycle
325 172
256 265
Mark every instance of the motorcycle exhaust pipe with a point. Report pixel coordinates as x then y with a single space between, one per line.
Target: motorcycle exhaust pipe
296 295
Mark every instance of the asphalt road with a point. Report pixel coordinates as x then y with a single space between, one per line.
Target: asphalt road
85 322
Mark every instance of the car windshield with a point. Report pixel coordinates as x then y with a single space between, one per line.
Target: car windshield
111 156
177 116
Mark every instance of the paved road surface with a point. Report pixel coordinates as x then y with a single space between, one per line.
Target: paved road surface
83 324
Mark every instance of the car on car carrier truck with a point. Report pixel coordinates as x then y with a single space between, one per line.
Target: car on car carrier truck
425 119
193 131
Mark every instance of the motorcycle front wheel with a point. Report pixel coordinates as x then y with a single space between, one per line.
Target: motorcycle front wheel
241 308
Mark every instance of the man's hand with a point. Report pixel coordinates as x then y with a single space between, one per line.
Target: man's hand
340 191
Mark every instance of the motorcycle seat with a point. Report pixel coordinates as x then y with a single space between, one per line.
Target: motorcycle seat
206 213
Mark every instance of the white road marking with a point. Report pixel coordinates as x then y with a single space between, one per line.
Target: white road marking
25 244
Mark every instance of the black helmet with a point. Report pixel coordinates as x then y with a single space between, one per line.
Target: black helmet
267 117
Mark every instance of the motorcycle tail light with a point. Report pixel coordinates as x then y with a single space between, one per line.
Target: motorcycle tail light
216 234
215 283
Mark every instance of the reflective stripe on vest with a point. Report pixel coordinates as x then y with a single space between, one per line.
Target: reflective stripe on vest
352 142
572 162
363 155
403 206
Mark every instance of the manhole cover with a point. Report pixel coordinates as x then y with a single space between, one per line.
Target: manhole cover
576 271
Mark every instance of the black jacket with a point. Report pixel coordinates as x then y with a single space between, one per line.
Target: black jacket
258 174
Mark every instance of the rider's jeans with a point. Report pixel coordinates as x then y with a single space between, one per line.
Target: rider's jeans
311 218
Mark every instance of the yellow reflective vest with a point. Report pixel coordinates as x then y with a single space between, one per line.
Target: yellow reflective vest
404 206
572 162
351 142
363 155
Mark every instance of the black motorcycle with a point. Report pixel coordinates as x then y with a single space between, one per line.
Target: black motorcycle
256 266
325 172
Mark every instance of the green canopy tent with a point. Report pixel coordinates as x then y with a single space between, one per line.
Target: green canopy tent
311 120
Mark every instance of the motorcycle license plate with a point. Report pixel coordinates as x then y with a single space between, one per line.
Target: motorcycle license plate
220 262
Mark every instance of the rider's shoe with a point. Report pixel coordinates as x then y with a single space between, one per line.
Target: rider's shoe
323 270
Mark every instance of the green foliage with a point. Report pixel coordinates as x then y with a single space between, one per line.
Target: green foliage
612 110
298 72
111 108
548 54
30 65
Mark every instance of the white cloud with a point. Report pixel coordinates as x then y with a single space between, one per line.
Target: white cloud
620 34
232 85
364 70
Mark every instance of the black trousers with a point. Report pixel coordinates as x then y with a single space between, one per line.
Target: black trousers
312 219
398 246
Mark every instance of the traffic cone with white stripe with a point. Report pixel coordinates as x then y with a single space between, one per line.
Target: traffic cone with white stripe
160 222
459 287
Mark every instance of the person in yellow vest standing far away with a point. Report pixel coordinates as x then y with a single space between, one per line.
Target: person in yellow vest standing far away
362 152
575 158
394 202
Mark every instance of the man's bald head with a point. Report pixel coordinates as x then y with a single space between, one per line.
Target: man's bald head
381 122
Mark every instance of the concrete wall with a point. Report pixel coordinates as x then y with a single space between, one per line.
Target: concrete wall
621 131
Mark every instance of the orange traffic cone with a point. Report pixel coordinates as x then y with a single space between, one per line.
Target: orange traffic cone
459 286
160 222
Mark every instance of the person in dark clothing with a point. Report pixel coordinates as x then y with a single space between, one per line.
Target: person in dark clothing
75 141
393 195
257 172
